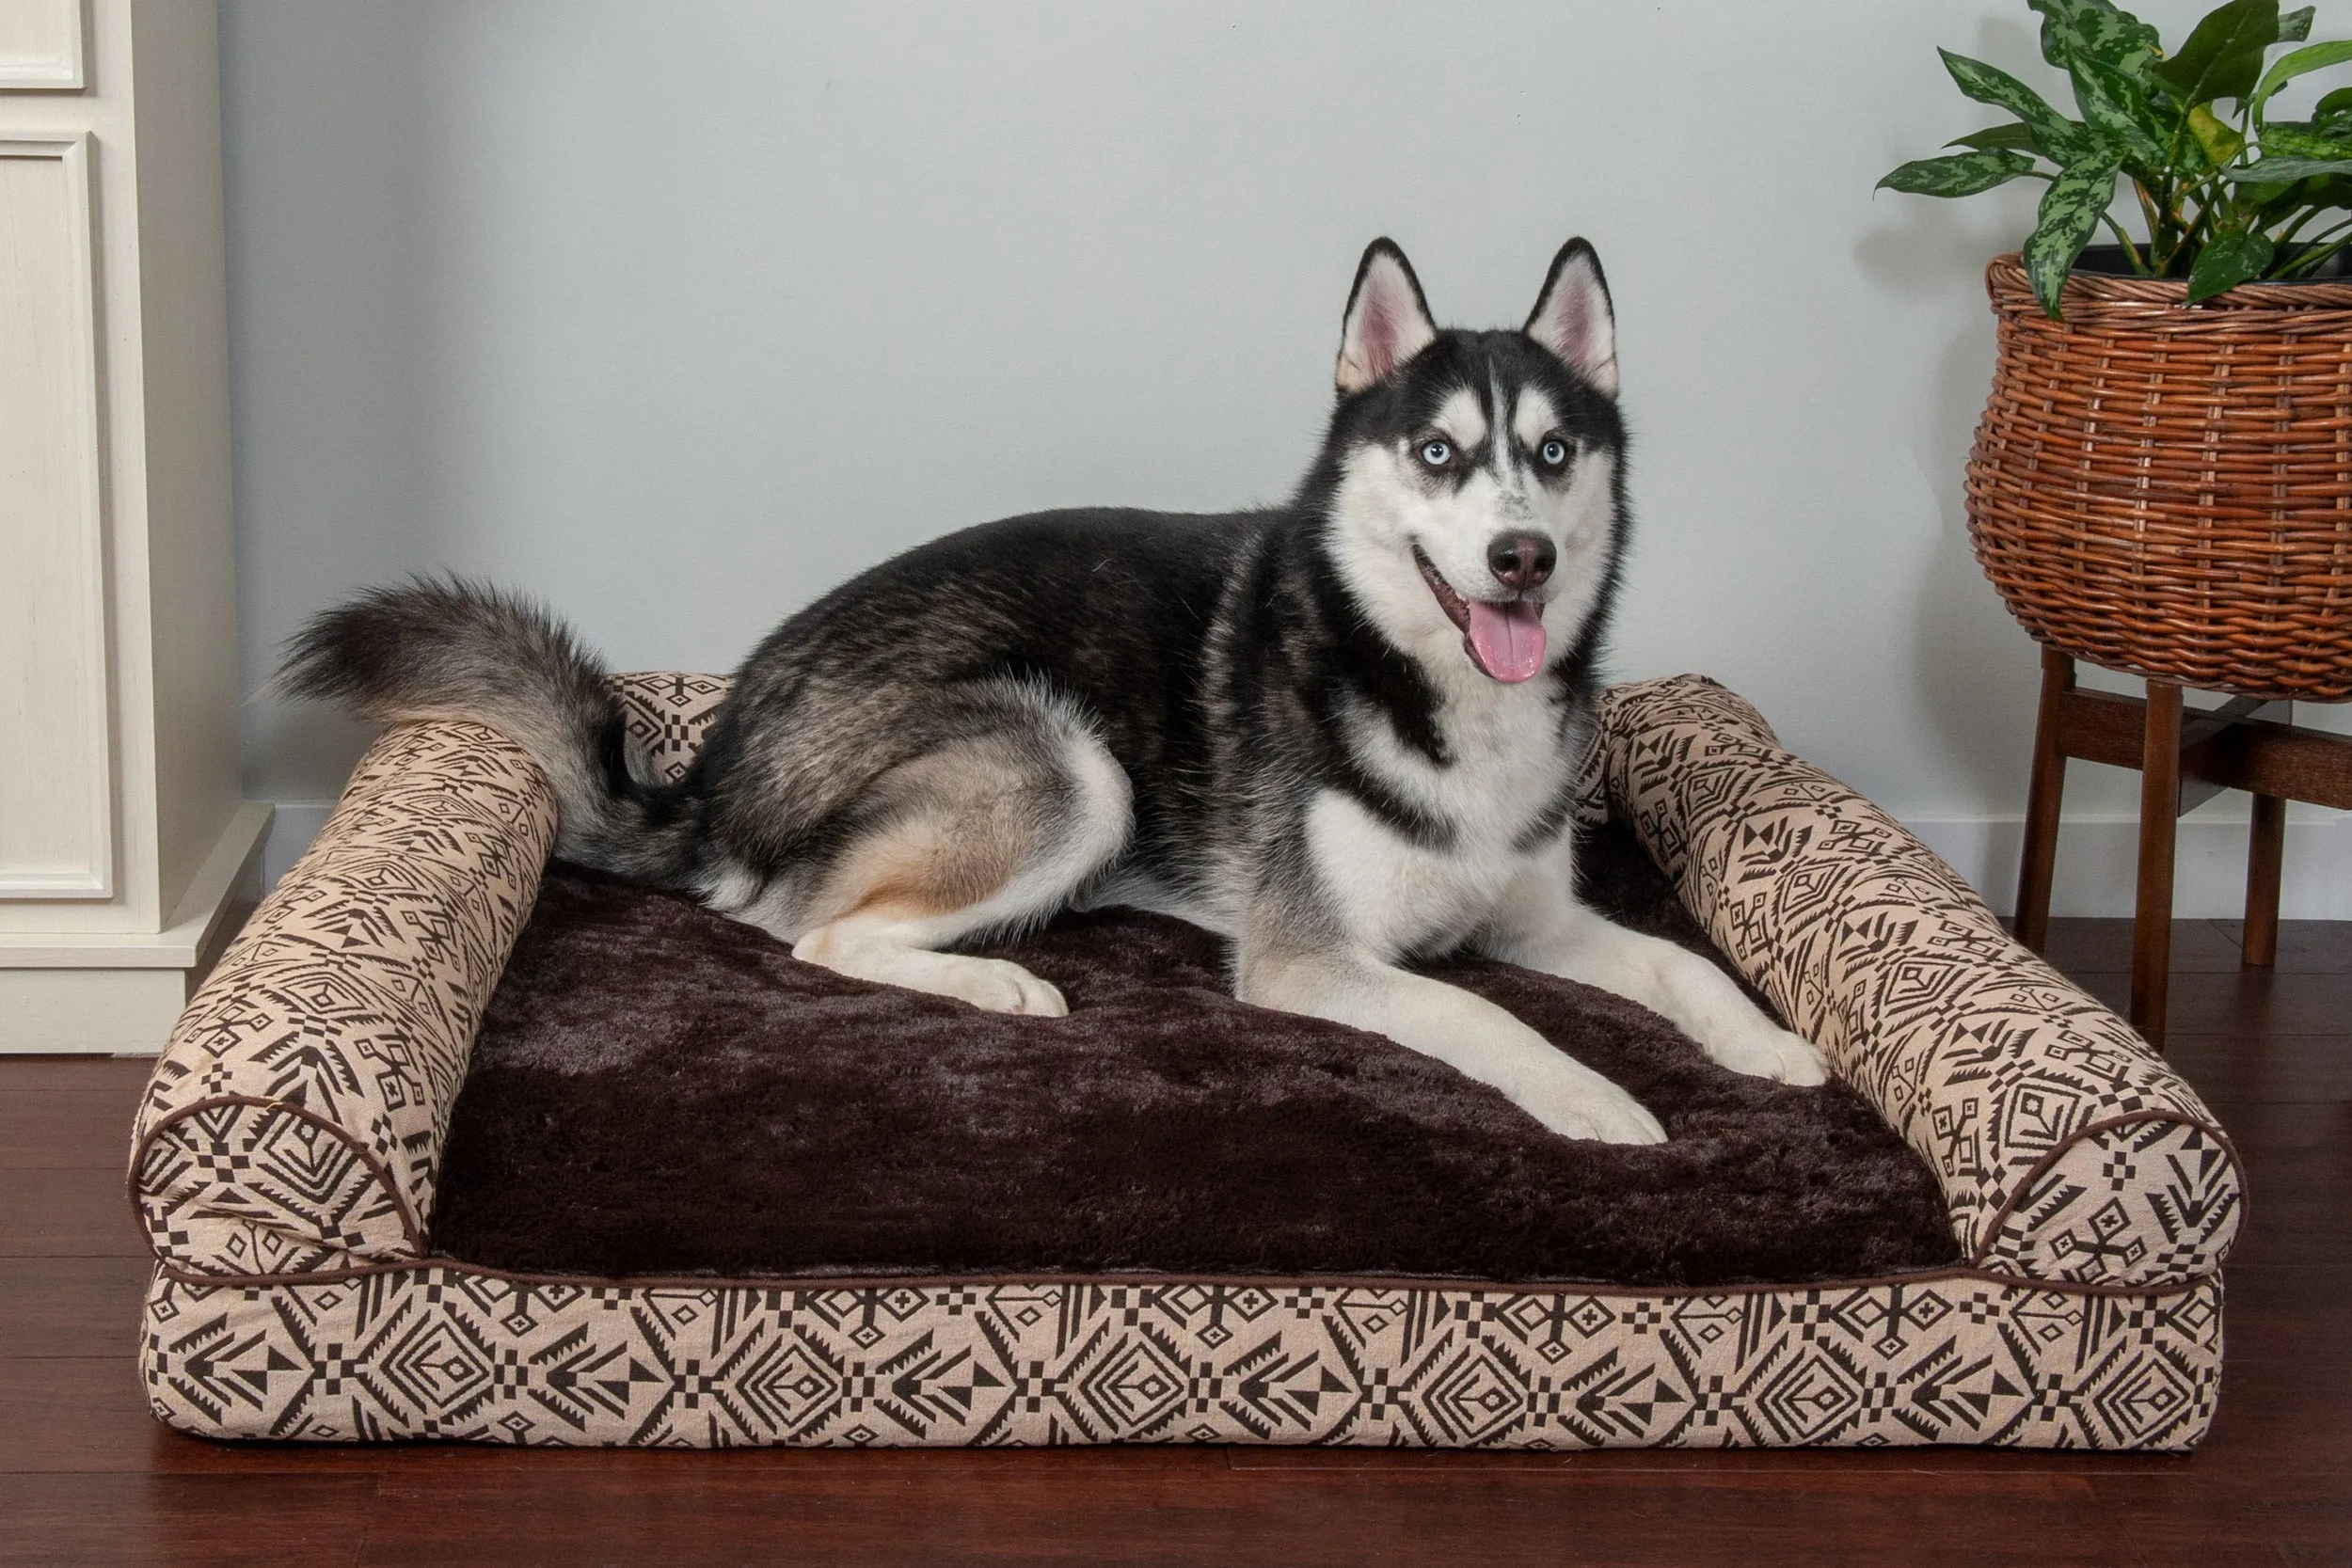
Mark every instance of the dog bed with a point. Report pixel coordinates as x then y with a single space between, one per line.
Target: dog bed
630 1175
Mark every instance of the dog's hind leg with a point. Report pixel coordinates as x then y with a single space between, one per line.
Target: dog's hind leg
990 831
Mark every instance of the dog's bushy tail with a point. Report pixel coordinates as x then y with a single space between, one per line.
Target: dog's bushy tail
444 648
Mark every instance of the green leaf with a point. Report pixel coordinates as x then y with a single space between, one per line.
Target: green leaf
2336 102
2227 263
2117 107
2223 56
2093 30
2070 208
2221 144
2295 26
2191 165
2065 141
1961 174
2285 172
2286 139
2016 136
2300 63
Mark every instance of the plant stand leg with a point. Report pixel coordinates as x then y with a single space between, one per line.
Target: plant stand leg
2266 855
2159 812
2043 794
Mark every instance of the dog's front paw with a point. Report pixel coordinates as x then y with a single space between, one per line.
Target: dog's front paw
1768 1050
1594 1109
1000 985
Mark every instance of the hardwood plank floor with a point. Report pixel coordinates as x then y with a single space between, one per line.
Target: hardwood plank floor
86 1476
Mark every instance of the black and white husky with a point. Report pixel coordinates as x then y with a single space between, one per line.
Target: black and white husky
1344 732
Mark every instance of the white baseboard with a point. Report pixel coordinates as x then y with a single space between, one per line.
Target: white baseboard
2097 866
2098 861
119 992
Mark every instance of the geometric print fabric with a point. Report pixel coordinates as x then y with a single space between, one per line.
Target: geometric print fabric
665 715
454 1353
295 1116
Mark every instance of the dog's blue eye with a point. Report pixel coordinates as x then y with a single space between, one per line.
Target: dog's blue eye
1436 452
1554 454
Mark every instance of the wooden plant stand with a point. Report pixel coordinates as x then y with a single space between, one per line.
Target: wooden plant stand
2182 765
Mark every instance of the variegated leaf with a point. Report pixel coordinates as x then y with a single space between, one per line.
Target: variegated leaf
2286 171
2232 259
2093 30
1961 174
2070 208
2117 107
2065 141
2016 136
2284 139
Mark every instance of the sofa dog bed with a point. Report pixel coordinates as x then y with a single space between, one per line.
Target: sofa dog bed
633 1176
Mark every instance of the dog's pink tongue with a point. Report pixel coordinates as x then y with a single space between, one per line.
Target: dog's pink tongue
1507 640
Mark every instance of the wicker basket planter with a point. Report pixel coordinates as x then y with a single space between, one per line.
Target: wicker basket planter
2167 489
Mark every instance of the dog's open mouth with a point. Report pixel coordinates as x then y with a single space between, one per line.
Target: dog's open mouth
1506 639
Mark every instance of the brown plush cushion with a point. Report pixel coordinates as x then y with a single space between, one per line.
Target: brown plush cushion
658 1090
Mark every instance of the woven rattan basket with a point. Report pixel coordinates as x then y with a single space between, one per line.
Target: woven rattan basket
2167 489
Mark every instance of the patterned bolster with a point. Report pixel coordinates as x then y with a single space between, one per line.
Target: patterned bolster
666 715
294 1121
2067 1150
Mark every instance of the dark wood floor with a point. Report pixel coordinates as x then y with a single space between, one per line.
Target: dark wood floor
87 1477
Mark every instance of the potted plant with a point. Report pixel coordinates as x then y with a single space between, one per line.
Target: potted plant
2162 481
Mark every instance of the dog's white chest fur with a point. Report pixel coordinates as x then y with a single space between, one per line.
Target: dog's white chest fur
1396 896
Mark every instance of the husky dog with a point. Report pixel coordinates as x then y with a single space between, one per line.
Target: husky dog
1342 731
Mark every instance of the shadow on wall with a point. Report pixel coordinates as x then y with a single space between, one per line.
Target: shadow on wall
1977 674
336 436
1979 671
1976 669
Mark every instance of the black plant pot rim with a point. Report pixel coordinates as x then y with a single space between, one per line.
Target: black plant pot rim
2108 260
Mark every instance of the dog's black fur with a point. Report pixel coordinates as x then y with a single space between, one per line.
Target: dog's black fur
1226 717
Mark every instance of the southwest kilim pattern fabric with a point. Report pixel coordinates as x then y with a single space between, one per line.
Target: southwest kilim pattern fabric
295 1118
447 1352
2067 1148
667 714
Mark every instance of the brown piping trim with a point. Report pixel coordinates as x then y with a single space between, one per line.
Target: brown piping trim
2042 1167
382 1172
1379 1282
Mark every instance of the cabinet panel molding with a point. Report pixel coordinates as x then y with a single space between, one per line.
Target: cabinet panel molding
41 45
57 793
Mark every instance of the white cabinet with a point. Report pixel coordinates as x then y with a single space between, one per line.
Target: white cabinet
126 855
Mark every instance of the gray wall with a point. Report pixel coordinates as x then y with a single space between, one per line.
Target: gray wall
676 314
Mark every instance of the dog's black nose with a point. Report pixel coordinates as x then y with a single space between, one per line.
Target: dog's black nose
1521 561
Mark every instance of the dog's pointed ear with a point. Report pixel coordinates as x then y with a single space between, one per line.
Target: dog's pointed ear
1387 321
1573 317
